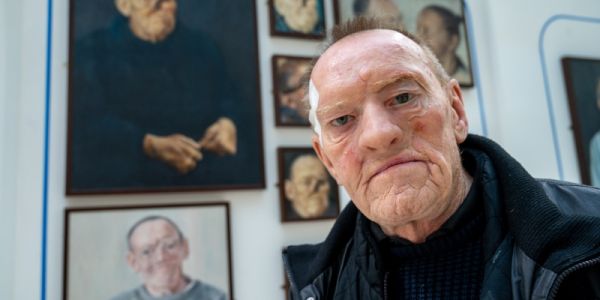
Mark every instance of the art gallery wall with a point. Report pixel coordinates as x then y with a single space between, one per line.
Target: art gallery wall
510 87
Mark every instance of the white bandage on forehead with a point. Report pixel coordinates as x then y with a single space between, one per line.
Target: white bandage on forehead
313 99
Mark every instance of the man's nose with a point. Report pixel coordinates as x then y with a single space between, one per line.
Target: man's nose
379 128
159 255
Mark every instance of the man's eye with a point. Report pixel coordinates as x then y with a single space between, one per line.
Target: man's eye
403 98
341 121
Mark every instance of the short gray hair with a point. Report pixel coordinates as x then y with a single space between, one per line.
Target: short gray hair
149 219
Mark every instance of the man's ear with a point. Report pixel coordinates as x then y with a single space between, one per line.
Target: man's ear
323 156
289 190
186 248
454 41
132 261
124 7
460 123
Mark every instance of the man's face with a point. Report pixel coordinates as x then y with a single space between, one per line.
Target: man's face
308 187
156 17
157 253
389 128
430 27
383 9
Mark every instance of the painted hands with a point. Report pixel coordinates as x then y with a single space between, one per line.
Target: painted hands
183 153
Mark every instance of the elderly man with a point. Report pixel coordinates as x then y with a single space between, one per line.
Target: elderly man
157 249
307 189
436 213
153 99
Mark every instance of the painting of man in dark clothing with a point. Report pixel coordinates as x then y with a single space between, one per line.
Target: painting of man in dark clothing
154 105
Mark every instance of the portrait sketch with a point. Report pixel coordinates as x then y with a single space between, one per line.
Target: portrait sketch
288 89
307 191
148 252
297 18
160 99
440 23
582 78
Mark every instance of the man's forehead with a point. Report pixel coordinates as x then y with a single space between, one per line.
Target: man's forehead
365 51
367 41
152 229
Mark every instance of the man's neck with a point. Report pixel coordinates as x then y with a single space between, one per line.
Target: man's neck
417 231
161 290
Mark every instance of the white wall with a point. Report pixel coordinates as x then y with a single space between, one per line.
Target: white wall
505 35
518 106
7 153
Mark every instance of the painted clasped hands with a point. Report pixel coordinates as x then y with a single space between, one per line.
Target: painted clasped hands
183 153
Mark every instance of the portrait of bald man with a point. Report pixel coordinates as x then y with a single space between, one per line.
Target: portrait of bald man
159 101
308 192
157 249
168 252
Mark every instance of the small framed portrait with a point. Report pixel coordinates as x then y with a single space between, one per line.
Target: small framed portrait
582 78
297 18
307 191
180 250
289 90
440 23
160 100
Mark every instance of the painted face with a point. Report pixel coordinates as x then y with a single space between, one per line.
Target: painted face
389 128
308 187
157 253
384 9
155 17
430 27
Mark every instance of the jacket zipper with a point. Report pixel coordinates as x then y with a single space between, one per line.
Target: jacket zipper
569 271
385 285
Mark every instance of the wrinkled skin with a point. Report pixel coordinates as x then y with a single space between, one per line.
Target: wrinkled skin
308 187
390 132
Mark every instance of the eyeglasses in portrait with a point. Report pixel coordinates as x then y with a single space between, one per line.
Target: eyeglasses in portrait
307 191
150 252
582 78
440 23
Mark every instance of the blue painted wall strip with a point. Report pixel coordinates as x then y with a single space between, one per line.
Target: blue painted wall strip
541 40
46 150
475 67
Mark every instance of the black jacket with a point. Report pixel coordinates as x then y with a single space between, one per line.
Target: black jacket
541 241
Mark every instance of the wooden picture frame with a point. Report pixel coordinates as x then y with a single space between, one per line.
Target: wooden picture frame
101 254
297 19
582 79
288 90
306 190
176 109
431 17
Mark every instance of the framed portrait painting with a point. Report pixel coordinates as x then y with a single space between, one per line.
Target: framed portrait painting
162 100
299 19
582 78
307 191
440 23
140 252
288 88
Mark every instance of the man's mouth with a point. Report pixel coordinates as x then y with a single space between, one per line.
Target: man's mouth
398 161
